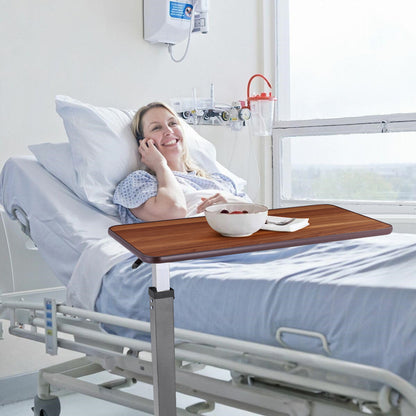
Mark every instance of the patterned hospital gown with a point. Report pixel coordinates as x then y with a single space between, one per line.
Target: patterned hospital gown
140 185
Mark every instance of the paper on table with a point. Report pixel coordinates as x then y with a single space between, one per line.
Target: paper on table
284 224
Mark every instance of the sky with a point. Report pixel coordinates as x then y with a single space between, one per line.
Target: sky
354 58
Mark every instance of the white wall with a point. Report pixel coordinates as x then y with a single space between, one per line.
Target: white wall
94 51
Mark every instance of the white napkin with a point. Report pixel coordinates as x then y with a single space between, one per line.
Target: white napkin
285 224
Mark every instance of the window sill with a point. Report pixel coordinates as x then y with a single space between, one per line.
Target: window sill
402 223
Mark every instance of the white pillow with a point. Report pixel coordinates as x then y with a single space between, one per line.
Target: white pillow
57 159
104 150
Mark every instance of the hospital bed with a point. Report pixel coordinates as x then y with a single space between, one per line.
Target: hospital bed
325 329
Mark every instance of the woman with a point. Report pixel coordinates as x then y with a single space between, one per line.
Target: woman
171 186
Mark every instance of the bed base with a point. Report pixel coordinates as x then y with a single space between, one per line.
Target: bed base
264 379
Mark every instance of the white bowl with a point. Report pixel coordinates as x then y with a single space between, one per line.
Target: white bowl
237 224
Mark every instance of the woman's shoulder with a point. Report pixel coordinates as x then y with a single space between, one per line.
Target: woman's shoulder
138 175
138 179
135 188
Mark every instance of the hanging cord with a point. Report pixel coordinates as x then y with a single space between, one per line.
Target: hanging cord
191 25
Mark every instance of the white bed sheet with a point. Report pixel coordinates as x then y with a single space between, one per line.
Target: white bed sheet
61 225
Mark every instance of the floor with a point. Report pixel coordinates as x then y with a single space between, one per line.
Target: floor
76 404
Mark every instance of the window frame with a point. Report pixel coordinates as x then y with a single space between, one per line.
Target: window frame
379 123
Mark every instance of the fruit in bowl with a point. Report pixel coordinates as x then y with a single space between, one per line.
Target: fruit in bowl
236 219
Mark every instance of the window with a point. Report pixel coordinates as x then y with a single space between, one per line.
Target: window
346 168
346 129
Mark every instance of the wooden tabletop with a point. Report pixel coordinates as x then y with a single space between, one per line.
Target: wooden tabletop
191 238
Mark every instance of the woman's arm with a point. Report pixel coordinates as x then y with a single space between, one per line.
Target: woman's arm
169 201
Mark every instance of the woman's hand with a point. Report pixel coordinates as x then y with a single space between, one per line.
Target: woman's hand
150 155
218 198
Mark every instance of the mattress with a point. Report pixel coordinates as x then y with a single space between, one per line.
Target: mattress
359 294
61 225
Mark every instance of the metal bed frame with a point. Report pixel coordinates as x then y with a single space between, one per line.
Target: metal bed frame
263 379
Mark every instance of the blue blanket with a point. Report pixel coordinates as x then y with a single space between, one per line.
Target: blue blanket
360 294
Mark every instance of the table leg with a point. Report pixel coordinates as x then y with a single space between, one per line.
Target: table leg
163 344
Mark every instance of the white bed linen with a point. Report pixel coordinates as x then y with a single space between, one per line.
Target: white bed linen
95 261
61 225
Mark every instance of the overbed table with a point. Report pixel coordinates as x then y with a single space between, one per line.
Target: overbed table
162 242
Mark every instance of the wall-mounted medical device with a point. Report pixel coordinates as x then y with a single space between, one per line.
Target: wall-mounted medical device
258 110
172 22
206 111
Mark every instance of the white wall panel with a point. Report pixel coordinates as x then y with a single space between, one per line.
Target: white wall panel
94 51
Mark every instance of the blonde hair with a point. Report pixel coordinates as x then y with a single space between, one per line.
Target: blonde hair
137 129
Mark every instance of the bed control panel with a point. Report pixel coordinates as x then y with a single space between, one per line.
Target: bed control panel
51 340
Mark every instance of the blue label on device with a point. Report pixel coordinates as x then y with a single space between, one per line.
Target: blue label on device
180 10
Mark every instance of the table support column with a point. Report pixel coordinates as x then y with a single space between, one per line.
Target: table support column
163 343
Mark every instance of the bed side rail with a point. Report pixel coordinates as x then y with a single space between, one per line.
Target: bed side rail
291 369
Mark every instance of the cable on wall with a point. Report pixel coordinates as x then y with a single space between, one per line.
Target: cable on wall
191 25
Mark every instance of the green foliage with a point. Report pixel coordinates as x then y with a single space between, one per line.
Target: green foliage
374 183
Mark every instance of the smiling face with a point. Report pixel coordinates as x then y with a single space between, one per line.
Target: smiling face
160 125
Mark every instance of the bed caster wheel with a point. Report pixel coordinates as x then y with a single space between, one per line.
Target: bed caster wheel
46 407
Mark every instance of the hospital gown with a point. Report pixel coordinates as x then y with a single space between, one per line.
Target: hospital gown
140 185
